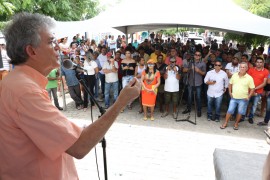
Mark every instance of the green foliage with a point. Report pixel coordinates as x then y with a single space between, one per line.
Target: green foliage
260 8
64 10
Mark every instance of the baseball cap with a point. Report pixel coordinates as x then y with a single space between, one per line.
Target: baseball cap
109 54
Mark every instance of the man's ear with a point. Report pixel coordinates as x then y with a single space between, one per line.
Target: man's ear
30 51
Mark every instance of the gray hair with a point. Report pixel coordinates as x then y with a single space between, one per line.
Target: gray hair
244 63
24 30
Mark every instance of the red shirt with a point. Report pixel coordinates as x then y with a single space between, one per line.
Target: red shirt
258 77
179 61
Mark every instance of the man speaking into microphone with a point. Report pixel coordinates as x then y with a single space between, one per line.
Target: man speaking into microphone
37 141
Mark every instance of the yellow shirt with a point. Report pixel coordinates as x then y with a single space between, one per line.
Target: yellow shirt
241 85
154 57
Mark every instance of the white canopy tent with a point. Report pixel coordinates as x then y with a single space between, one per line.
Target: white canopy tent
140 15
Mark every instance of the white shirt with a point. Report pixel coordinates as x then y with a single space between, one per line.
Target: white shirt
171 83
222 81
112 44
232 69
112 76
5 60
102 59
90 67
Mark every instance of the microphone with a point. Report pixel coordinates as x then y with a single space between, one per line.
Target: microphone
68 64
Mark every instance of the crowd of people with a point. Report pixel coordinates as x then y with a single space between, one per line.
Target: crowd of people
39 142
172 71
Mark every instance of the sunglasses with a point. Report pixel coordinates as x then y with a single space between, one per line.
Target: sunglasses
218 65
197 54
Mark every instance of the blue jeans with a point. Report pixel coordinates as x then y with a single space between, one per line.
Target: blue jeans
267 115
240 104
254 100
198 97
217 102
102 82
108 87
126 80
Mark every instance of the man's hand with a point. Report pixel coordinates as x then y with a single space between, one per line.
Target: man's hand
130 92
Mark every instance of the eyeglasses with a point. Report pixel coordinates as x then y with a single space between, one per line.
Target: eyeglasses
218 65
197 54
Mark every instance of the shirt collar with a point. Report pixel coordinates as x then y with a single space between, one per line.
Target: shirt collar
33 74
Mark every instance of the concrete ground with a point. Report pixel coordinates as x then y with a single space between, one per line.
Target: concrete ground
163 149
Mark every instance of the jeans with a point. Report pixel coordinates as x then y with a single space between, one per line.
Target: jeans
125 81
254 100
240 104
53 91
217 103
102 81
75 94
108 87
198 97
96 86
267 115
90 83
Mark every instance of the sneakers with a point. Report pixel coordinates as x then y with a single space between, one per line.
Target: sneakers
209 118
262 123
250 120
186 111
164 114
174 115
106 107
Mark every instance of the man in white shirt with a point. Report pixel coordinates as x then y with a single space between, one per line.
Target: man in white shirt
110 68
217 81
171 88
5 67
102 59
112 44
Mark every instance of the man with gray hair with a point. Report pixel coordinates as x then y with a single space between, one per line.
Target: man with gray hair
37 141
241 88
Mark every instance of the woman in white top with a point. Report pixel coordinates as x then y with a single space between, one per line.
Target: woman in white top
138 73
90 77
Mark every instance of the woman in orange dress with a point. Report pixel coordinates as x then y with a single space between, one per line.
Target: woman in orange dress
150 81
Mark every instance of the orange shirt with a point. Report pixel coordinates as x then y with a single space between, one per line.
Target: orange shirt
34 134
258 77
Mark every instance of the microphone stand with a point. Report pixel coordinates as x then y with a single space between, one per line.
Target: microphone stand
102 111
193 89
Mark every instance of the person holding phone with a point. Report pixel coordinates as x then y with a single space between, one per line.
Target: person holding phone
217 81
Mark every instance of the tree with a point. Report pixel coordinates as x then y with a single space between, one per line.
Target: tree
258 7
64 10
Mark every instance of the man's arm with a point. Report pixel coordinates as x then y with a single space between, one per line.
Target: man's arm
261 85
93 133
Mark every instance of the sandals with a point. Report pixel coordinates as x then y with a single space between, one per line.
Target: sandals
164 114
152 118
223 127
145 118
235 127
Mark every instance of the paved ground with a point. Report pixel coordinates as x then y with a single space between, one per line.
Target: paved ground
163 149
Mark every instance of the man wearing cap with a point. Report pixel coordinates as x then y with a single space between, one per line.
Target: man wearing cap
171 88
195 72
5 67
110 68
